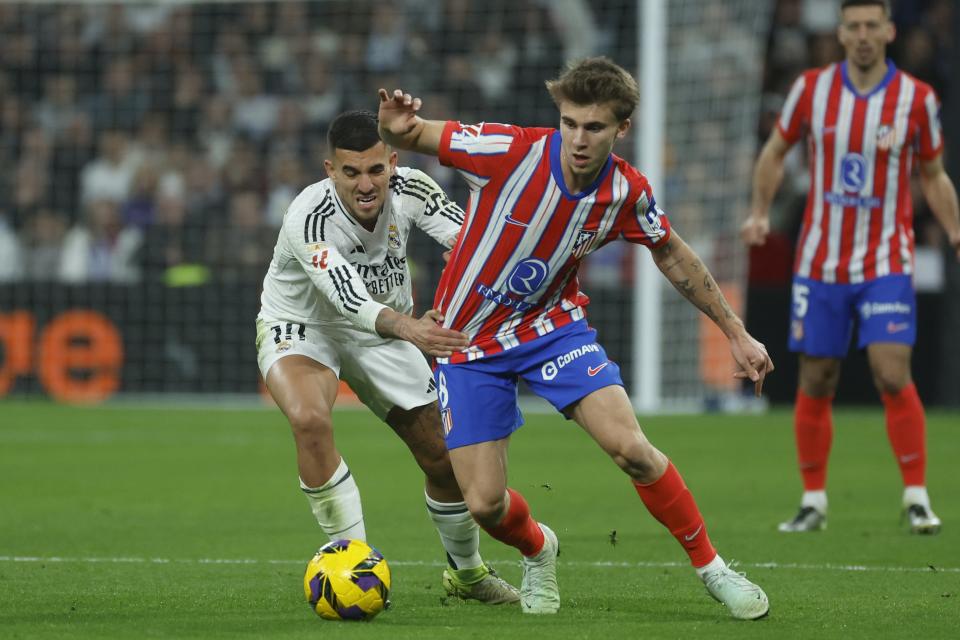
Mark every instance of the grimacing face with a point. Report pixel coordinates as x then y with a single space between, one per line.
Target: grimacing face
362 179
588 133
865 33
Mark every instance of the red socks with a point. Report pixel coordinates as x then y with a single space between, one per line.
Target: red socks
669 501
517 528
813 428
907 431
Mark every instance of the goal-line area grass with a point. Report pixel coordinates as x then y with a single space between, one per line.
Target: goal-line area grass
120 522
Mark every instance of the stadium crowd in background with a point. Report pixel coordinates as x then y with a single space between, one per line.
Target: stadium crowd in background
163 123
130 131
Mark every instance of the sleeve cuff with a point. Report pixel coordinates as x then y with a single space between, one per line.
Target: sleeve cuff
444 152
367 315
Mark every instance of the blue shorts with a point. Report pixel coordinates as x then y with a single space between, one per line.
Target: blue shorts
478 400
821 319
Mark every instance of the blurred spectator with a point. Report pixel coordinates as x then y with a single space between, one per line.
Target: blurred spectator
241 249
173 248
216 134
59 107
321 95
42 244
11 261
187 103
73 150
109 176
287 179
387 43
121 103
102 250
138 210
254 111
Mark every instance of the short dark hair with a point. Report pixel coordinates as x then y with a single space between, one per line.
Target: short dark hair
597 81
353 131
884 4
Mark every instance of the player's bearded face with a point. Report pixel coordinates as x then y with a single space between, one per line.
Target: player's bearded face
865 33
588 133
362 179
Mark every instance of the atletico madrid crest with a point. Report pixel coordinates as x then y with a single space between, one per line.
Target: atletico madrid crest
583 243
886 136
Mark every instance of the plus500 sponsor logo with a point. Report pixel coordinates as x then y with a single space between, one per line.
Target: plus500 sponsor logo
551 368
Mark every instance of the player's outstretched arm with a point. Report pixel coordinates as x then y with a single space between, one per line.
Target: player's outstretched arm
401 127
687 273
767 176
941 195
425 332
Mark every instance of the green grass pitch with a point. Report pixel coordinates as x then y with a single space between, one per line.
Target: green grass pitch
120 522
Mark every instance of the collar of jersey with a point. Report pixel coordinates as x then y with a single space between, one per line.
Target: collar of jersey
891 70
557 171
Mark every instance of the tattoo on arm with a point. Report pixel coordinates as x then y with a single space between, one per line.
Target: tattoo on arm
685 288
711 301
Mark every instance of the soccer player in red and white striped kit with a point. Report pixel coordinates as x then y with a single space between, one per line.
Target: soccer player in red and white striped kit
541 200
865 121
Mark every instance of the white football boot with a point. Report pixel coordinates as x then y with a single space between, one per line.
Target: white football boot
744 600
807 519
539 592
922 519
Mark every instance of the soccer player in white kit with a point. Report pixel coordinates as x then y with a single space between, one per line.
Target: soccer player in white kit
336 306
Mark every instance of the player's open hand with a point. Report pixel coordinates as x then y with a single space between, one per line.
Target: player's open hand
752 358
398 112
431 338
754 230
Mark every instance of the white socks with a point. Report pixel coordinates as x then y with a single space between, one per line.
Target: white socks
714 565
915 494
459 532
336 505
815 499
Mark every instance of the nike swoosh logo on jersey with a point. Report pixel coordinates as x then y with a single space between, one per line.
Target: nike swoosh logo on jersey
592 371
693 535
509 219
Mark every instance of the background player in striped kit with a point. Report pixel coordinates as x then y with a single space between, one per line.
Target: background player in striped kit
540 201
335 305
864 121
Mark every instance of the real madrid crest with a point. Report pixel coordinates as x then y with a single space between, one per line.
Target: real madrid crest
393 237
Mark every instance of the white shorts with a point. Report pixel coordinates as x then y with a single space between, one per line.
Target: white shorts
387 375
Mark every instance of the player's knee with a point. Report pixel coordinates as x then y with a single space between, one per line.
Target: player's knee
488 510
309 422
890 379
638 459
820 382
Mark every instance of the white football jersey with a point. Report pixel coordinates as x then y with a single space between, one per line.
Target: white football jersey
328 270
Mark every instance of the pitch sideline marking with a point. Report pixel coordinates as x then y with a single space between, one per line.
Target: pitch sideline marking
437 563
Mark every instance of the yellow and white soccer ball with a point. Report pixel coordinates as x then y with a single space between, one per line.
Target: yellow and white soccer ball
347 580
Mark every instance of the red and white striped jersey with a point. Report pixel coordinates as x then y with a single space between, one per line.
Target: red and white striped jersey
858 224
512 276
